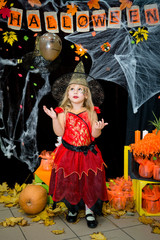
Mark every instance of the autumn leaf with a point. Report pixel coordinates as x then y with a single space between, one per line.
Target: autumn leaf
10 37
3 187
57 232
72 9
98 236
5 12
125 3
2 3
93 4
34 2
49 222
145 220
12 221
156 230
80 50
18 187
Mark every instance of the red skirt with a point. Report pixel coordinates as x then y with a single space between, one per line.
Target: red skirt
78 179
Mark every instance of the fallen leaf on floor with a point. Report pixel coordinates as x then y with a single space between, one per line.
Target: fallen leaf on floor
145 220
98 236
156 230
57 232
48 222
12 221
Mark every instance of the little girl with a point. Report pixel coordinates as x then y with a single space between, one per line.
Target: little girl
78 175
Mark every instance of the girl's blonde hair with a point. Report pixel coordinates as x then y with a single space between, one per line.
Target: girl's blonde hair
88 103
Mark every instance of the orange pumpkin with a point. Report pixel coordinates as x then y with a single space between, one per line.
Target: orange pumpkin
33 199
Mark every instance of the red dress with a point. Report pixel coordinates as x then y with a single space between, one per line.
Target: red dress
78 175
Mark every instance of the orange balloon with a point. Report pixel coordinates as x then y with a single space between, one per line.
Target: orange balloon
50 46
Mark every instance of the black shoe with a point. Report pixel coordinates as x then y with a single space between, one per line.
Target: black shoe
91 223
71 218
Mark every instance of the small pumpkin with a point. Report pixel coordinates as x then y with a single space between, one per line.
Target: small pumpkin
33 199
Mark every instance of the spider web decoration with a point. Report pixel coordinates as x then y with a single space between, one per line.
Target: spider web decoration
132 66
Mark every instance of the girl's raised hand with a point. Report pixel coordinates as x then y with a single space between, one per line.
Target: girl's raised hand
100 124
50 112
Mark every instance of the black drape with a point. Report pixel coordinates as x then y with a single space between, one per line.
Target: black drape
140 120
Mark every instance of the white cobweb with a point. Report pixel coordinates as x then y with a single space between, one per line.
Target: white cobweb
135 67
27 142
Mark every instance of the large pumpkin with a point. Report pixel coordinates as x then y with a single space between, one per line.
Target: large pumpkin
33 199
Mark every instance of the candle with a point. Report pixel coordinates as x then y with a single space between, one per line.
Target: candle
137 136
144 133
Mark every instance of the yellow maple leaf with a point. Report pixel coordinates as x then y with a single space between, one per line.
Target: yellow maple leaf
98 236
2 3
57 232
10 37
4 187
93 4
72 9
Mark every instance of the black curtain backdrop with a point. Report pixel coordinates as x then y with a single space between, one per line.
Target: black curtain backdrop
113 110
116 109
140 120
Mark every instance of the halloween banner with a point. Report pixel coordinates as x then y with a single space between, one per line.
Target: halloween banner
83 19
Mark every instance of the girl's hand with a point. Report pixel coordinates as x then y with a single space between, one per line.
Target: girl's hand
100 124
50 112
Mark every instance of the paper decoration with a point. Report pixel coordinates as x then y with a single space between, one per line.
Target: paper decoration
99 20
51 21
151 14
114 20
2 4
72 9
15 18
125 4
93 34
106 47
34 2
96 18
133 16
80 50
140 35
10 37
26 38
82 20
5 12
93 4
33 19
66 22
